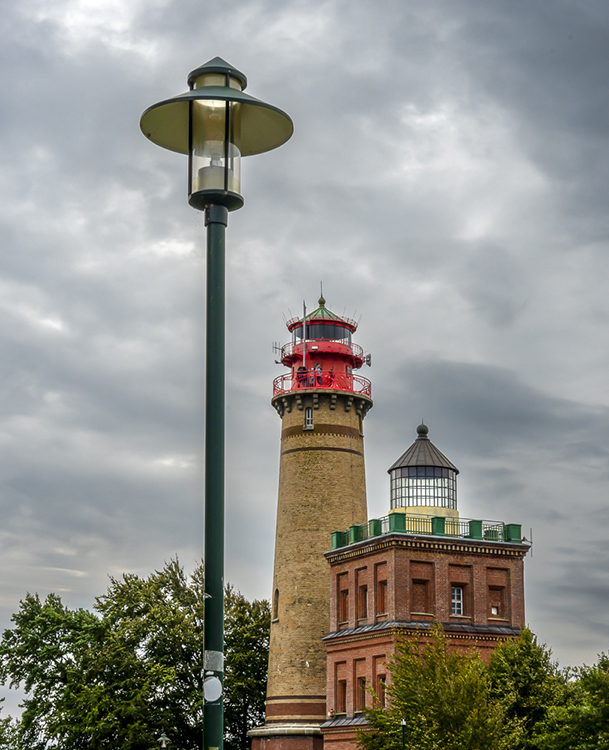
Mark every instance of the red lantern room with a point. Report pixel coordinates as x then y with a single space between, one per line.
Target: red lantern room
322 355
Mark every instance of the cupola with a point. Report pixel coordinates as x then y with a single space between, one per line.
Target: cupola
423 480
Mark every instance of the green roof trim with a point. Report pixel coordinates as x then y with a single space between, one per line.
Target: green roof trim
322 312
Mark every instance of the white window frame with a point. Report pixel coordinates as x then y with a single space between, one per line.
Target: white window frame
308 423
456 599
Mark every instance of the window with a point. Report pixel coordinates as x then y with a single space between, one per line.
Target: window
342 599
380 688
308 423
496 601
276 604
343 607
420 597
456 600
341 696
340 687
381 598
362 603
360 694
328 332
379 678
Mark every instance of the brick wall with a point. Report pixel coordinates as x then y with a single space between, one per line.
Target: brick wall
420 573
321 488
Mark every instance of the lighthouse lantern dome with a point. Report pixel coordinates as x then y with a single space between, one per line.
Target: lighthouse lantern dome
423 480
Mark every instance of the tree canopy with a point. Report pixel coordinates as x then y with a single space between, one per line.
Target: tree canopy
130 670
443 696
520 701
582 721
527 683
246 641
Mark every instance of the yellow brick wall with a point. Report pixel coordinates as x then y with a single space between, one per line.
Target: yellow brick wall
322 488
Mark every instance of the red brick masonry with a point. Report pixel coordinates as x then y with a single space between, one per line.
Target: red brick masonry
395 586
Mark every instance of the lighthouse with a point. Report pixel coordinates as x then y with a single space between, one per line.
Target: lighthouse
322 403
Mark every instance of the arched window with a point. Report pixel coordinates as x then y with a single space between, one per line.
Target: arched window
308 423
276 604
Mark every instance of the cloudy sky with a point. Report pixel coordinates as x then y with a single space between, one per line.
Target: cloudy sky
447 180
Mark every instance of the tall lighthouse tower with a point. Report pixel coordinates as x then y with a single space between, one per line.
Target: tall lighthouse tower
322 404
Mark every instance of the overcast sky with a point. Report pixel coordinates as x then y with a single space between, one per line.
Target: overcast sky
447 180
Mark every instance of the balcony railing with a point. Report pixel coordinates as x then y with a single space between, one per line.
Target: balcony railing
338 345
462 528
324 379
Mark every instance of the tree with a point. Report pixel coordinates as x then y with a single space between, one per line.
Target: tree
43 653
528 684
131 669
581 723
118 677
246 635
443 696
8 732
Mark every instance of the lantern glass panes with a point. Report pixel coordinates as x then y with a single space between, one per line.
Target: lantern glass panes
329 332
215 153
428 486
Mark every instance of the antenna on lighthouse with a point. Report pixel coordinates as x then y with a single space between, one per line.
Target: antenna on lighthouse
304 334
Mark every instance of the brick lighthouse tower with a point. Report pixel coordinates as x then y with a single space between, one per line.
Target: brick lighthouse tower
322 487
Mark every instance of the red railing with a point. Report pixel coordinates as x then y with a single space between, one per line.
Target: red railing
355 349
323 379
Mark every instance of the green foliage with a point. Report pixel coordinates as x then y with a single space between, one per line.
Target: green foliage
8 732
444 698
246 636
114 678
582 722
521 701
528 684
121 675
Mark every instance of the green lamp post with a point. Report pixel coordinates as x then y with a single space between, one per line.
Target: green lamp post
215 123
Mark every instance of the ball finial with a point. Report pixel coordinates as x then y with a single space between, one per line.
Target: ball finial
322 301
422 429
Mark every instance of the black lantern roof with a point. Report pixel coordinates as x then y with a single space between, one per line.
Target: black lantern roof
218 65
423 453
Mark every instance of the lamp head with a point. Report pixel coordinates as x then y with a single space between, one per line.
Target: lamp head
216 123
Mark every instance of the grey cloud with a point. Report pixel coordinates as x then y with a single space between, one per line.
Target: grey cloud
446 179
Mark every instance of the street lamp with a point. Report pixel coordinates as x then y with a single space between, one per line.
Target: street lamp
403 734
215 123
164 740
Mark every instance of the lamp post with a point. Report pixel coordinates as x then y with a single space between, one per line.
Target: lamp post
164 741
403 734
215 123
